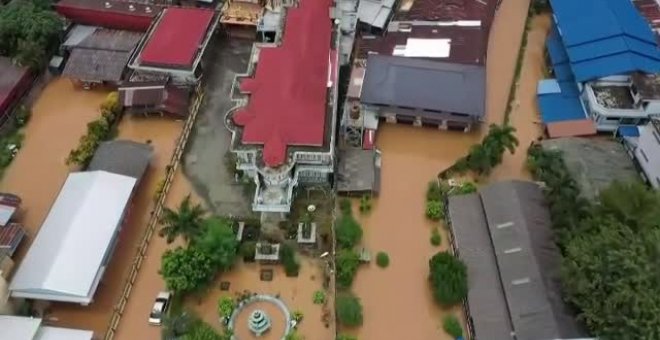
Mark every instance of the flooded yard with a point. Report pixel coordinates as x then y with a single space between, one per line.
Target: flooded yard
296 292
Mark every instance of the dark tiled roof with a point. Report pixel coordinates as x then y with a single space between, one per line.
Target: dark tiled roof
96 65
111 40
448 10
122 157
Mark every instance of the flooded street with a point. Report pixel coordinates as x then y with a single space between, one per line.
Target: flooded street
162 134
525 113
411 157
296 292
39 170
399 294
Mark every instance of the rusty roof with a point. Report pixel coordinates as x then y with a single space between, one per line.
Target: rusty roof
468 44
447 10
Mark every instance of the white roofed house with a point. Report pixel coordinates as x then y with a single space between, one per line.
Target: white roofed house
26 328
69 255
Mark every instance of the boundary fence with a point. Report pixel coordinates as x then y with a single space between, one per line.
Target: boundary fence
118 311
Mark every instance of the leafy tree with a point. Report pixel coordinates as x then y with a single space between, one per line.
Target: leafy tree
29 31
202 331
187 221
345 206
631 203
347 262
226 305
435 191
452 326
291 265
177 325
382 259
448 276
348 232
482 158
219 242
434 210
349 310
186 269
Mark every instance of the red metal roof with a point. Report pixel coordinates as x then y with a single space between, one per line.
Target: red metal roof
119 15
176 37
287 104
651 11
14 81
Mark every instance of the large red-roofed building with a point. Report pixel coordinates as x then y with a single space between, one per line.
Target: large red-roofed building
121 15
175 42
284 132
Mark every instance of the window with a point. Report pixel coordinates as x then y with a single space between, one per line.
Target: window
646 158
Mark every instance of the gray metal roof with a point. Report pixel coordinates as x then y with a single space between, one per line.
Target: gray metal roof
486 302
122 157
375 12
519 226
425 85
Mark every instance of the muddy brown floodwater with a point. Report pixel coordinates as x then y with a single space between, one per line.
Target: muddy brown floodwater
399 294
524 113
397 300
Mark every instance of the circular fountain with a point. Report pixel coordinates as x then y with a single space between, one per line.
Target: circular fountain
258 322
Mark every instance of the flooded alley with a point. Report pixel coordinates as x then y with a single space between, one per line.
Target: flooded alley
525 113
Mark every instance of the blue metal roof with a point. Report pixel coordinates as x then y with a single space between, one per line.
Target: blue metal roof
601 38
548 86
559 101
628 131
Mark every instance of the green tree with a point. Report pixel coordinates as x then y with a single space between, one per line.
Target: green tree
288 255
176 325
347 262
448 276
187 221
452 326
348 232
218 242
631 203
186 269
349 310
382 259
202 331
434 210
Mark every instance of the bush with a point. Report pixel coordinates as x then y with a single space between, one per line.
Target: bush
226 306
464 188
436 239
347 262
448 276
434 210
297 316
186 269
22 116
452 326
349 310
291 265
345 337
345 206
319 297
248 248
382 259
348 232
434 191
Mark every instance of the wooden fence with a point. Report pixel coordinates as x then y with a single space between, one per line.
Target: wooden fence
153 221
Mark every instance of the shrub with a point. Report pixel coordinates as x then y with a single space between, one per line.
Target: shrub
345 337
186 269
436 239
434 210
349 310
293 335
365 204
248 248
22 116
348 232
448 276
319 297
297 315
452 326
226 306
291 265
345 206
434 191
382 259
464 188
347 262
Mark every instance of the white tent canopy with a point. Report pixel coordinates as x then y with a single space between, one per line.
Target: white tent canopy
68 256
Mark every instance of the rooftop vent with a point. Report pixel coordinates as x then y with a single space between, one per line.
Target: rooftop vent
131 8
107 5
147 9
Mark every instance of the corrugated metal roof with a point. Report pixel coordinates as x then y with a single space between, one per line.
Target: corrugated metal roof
122 157
605 37
423 84
66 258
96 65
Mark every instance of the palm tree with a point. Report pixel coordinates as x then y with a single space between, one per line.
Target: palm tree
187 221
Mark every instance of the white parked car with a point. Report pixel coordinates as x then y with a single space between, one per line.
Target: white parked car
160 307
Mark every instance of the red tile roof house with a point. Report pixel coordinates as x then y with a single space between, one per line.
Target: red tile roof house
174 44
284 124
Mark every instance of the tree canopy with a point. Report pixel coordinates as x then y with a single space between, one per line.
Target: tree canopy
448 276
218 242
347 262
29 31
187 221
186 269
349 310
348 232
